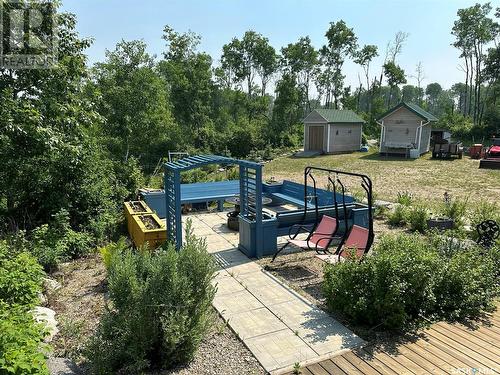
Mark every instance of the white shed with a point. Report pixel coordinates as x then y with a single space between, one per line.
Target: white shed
405 127
332 130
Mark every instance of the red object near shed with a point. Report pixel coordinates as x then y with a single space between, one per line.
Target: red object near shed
476 151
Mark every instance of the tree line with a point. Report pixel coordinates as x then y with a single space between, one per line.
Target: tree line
81 138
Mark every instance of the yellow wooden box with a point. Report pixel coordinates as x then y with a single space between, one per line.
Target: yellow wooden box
141 234
135 208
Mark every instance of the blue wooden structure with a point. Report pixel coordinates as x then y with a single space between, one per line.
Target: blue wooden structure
250 190
293 192
199 192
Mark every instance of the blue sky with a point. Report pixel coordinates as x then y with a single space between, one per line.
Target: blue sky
428 22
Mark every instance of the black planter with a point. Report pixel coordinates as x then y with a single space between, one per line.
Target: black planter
441 223
232 220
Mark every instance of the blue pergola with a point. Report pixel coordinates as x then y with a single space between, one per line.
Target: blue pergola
250 190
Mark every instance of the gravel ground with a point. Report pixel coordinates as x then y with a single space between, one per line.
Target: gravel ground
221 353
80 302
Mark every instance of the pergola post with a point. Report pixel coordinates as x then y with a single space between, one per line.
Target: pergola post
178 210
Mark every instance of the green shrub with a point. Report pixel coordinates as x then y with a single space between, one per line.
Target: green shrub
455 209
417 218
398 217
481 211
111 250
410 279
20 276
57 242
405 198
161 305
20 337
21 342
468 284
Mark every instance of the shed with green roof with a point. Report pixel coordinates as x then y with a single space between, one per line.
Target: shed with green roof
332 130
406 130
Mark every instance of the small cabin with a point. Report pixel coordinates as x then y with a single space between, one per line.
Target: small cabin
331 131
406 130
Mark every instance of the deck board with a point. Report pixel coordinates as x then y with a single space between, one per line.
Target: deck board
443 348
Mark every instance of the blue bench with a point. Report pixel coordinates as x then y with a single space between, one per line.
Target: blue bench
199 192
292 192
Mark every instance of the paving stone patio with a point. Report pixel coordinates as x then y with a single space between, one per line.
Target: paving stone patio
278 326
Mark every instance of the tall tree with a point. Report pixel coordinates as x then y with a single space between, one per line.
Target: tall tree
250 57
410 94
49 159
393 50
341 43
301 60
287 110
473 30
433 91
134 102
188 75
395 77
419 76
364 57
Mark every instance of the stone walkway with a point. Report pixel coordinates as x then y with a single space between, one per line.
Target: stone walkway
278 326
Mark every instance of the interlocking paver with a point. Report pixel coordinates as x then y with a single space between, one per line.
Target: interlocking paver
279 327
279 349
234 303
326 335
255 323
227 285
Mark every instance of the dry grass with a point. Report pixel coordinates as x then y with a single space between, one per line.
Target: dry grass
427 178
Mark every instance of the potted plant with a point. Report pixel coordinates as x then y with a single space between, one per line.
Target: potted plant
446 221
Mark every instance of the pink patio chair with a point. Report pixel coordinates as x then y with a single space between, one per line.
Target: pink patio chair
318 239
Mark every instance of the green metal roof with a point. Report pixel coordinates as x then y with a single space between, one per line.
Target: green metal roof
413 108
337 115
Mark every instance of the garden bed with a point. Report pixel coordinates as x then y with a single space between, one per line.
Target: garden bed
80 302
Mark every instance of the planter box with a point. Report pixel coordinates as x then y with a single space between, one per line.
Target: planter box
441 223
135 208
248 241
141 234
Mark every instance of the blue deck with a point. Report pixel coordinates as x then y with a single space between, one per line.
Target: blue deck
194 193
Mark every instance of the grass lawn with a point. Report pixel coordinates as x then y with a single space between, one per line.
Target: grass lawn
426 178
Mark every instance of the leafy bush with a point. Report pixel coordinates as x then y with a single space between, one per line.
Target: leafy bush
160 309
398 217
409 278
405 198
20 276
417 218
112 250
56 242
20 337
21 342
455 209
468 284
481 211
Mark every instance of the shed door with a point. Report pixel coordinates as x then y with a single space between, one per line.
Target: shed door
316 138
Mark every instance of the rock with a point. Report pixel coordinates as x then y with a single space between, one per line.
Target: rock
50 285
43 299
47 317
62 366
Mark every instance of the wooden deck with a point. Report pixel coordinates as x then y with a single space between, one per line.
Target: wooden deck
441 349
